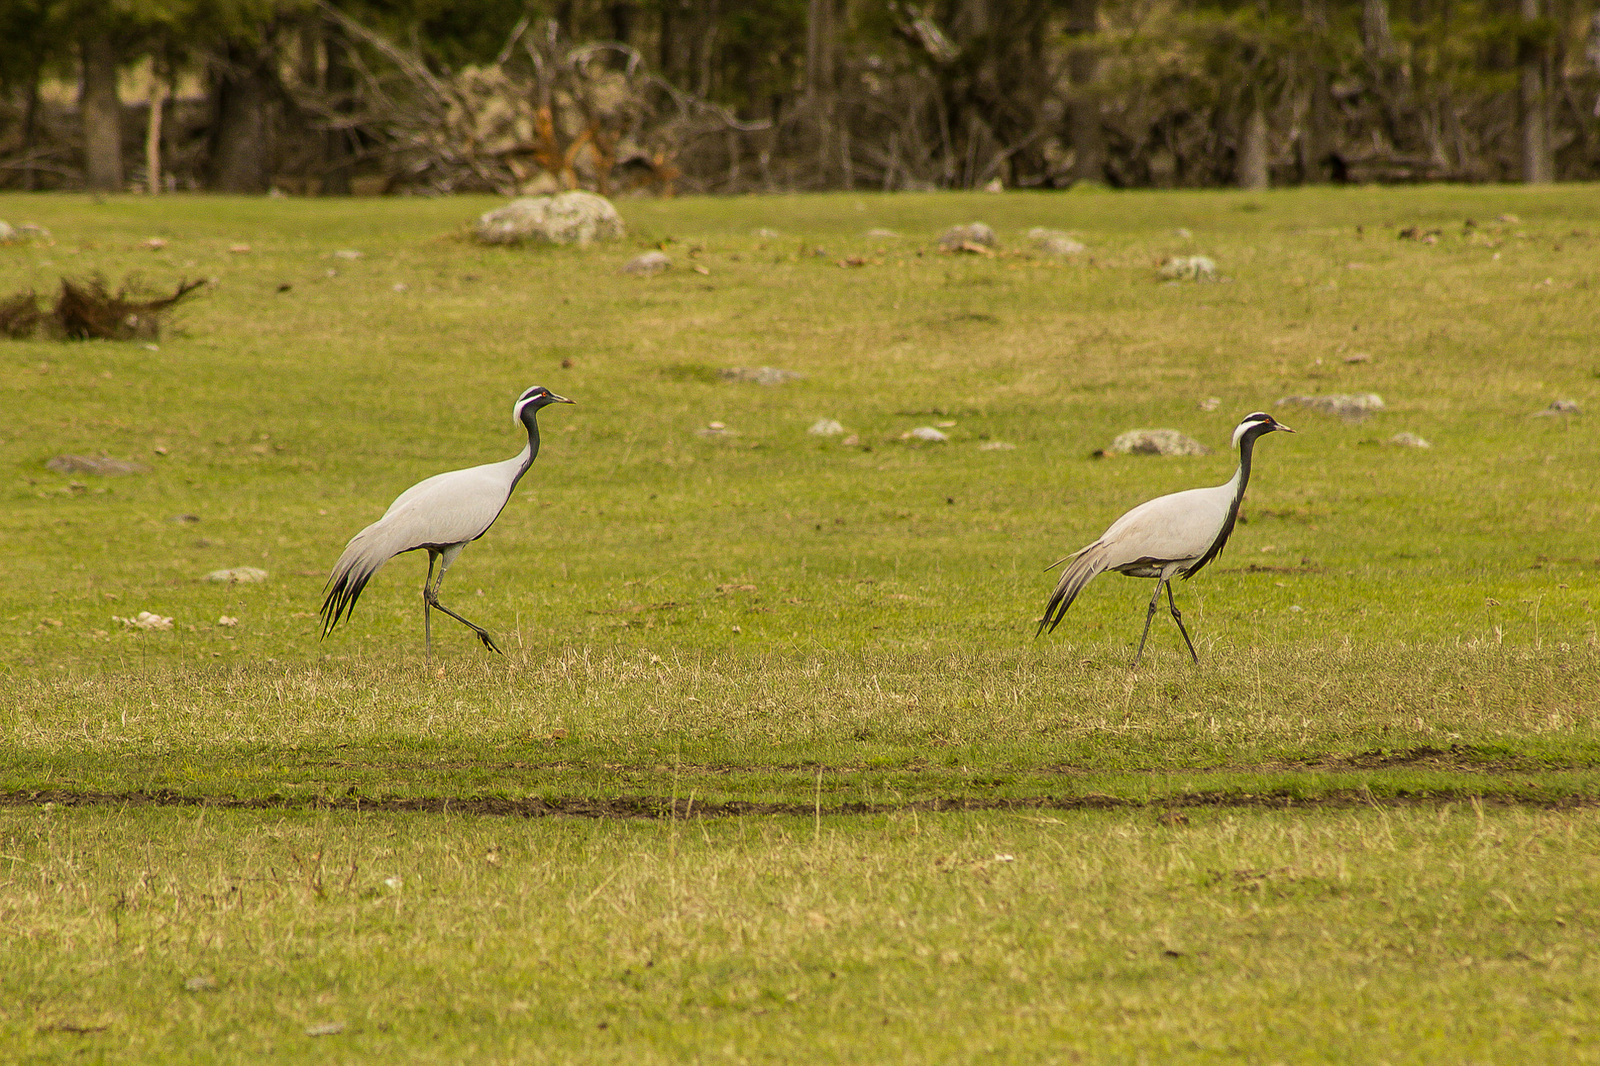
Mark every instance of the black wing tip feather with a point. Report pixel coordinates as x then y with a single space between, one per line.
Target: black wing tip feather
1056 610
1072 582
341 599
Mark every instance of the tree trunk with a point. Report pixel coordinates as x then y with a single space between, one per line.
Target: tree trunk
819 48
239 137
338 81
101 112
1533 105
30 120
622 19
1375 34
1083 112
152 133
1317 141
1252 170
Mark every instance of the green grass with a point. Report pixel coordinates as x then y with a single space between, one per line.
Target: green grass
1444 935
768 621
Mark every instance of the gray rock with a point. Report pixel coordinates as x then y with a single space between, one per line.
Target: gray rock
1056 242
926 433
101 466
1408 440
825 427
1351 408
760 375
238 575
7 234
1558 408
568 218
1189 268
647 264
967 238
1156 442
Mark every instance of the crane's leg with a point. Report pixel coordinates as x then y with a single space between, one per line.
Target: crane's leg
1148 615
1177 616
431 599
427 598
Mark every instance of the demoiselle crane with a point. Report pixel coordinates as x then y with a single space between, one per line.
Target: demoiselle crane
442 515
1167 537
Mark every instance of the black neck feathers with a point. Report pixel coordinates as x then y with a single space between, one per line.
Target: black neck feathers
1247 443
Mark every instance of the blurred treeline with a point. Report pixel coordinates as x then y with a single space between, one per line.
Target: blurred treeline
338 96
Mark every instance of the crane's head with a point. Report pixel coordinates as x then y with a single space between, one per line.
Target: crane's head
1255 424
533 399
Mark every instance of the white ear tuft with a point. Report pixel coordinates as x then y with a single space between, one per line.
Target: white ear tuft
1254 418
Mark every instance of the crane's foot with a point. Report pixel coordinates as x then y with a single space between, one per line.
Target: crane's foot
488 641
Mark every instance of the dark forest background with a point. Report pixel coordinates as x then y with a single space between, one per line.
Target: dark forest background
331 97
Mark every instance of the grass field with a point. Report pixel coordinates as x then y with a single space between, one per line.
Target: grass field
774 768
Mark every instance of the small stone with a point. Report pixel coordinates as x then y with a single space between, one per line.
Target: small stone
227 621
1351 408
1156 442
766 233
925 433
974 236
647 264
204 983
238 575
348 253
567 218
1210 403
1557 408
825 427
1189 268
1408 440
1056 242
760 375
7 234
239 249
101 466
155 244
997 446
325 1029
144 620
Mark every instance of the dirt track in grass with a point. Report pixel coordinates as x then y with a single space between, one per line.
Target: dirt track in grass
665 807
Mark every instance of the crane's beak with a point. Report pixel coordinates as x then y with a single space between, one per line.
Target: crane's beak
561 399
1275 425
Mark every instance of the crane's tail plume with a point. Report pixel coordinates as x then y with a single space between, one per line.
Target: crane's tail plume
1080 570
350 575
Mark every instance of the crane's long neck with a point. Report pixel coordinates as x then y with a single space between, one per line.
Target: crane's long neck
525 458
1241 477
